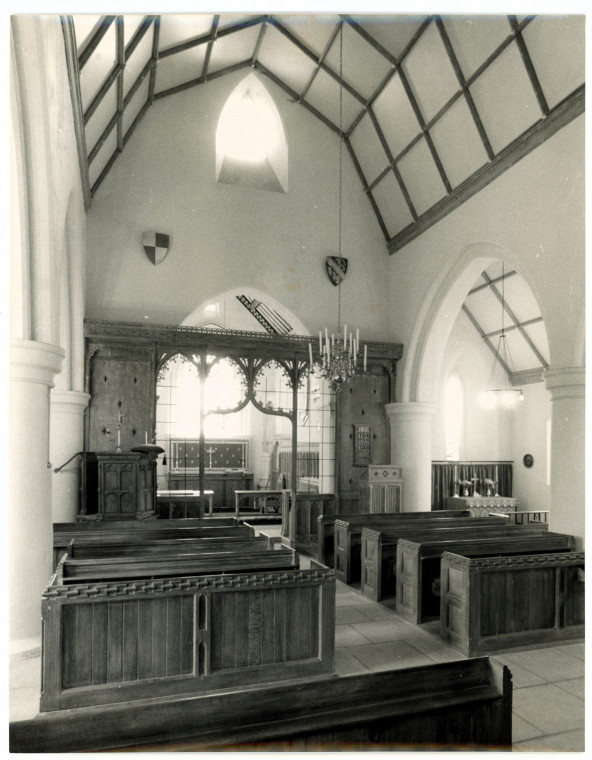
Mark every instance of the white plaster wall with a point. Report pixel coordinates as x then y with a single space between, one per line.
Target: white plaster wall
487 434
223 236
530 437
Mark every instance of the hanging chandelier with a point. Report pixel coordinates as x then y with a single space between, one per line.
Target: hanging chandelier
339 355
505 396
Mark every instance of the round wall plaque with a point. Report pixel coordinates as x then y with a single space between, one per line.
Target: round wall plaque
528 460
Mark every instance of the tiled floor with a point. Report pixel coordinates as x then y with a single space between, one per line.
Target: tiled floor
548 698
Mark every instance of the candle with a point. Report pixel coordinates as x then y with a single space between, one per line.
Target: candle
310 353
357 339
365 356
344 335
145 436
332 340
320 342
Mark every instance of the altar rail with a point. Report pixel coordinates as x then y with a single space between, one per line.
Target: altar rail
462 705
493 603
300 516
149 638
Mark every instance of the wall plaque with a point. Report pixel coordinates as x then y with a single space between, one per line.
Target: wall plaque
362 438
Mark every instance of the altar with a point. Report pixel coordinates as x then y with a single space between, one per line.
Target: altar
481 506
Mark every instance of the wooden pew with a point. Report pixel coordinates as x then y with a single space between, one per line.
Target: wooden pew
143 565
489 604
300 512
451 706
379 547
62 539
418 563
325 526
144 638
348 537
166 547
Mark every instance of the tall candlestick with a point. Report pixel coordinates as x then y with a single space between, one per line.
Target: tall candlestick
365 356
310 353
344 335
145 436
320 342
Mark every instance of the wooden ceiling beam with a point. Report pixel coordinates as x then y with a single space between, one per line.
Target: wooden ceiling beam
529 66
154 58
562 114
465 90
369 195
101 29
76 98
138 36
508 310
486 340
121 61
208 55
103 90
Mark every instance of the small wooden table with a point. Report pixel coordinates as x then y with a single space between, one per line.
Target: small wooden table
185 498
259 497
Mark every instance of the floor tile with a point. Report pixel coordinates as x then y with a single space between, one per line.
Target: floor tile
347 636
384 630
349 614
391 654
522 730
549 663
520 676
346 664
567 741
549 708
576 686
576 650
436 650
23 703
25 671
377 612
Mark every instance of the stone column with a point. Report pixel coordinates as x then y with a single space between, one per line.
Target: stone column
65 440
567 513
411 447
33 367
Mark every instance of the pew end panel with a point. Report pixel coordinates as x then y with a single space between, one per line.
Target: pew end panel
461 705
492 604
131 640
419 563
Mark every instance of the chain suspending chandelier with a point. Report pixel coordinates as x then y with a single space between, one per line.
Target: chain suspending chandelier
506 395
339 355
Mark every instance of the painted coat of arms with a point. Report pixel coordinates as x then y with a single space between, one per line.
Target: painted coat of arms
336 267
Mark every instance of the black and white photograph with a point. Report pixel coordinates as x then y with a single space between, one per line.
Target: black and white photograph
295 338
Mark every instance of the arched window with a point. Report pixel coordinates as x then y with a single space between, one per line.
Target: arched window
251 146
453 416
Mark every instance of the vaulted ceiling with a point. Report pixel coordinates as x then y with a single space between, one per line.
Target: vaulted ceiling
433 107
430 108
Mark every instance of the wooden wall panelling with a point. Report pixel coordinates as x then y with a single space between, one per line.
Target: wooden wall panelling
361 403
120 373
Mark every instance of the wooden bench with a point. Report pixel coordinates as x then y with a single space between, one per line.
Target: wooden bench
300 516
171 500
326 523
265 501
379 547
488 604
248 558
166 547
145 637
418 563
348 537
451 706
63 538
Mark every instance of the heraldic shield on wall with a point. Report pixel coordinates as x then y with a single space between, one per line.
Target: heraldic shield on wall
336 268
156 245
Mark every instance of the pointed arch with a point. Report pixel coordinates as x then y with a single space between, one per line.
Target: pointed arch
438 314
251 145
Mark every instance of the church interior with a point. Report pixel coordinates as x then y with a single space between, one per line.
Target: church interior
296 382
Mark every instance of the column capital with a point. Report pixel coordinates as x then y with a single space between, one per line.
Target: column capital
68 402
565 382
410 409
34 362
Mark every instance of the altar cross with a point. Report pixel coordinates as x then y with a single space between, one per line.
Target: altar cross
210 451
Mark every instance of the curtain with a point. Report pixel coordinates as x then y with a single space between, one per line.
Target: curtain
444 475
